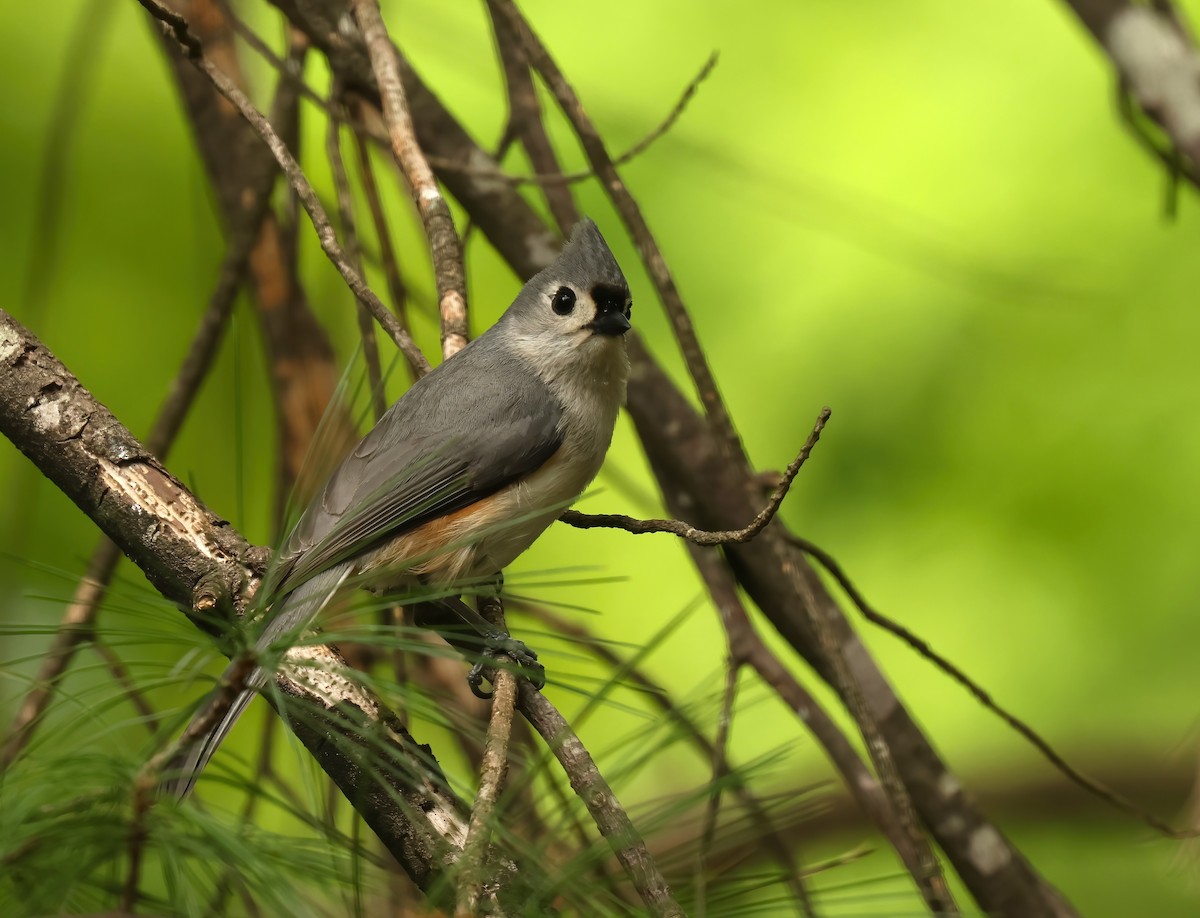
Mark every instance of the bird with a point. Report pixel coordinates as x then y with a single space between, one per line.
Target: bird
463 472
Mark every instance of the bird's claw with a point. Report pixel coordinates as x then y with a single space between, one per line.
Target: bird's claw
525 659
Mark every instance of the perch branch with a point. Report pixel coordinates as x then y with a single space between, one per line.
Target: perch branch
198 562
602 804
700 536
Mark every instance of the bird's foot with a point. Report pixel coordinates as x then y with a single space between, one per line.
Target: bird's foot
502 645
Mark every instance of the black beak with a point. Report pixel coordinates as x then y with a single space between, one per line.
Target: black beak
610 322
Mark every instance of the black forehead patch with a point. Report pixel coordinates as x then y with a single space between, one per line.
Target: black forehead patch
609 297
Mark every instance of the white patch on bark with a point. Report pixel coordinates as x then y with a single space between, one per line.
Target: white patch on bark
485 175
47 414
948 785
10 343
323 673
952 825
987 850
447 823
181 513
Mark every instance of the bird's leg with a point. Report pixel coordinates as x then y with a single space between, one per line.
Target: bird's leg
449 616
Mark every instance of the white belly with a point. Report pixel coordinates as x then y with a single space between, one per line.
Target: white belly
528 507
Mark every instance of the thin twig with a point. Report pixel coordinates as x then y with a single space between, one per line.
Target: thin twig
444 164
597 796
924 865
552 178
90 27
77 626
491 781
700 536
720 768
525 122
295 176
769 836
366 328
444 246
631 214
387 251
981 695
120 673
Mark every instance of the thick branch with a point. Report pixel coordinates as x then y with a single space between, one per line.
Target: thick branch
197 561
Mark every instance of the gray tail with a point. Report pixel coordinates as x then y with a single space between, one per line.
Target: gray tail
293 613
198 754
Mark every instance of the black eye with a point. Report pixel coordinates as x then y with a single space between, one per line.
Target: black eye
564 301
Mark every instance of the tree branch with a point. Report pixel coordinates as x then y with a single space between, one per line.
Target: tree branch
435 213
197 561
295 176
701 536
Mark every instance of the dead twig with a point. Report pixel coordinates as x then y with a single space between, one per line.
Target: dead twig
444 246
387 251
700 536
295 176
981 695
366 329
720 769
651 137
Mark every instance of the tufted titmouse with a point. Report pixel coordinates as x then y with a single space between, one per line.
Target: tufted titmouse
468 468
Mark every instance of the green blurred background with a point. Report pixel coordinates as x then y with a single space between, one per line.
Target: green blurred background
924 215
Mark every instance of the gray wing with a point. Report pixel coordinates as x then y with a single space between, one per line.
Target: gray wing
478 422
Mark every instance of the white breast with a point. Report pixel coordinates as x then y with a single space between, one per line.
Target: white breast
590 396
